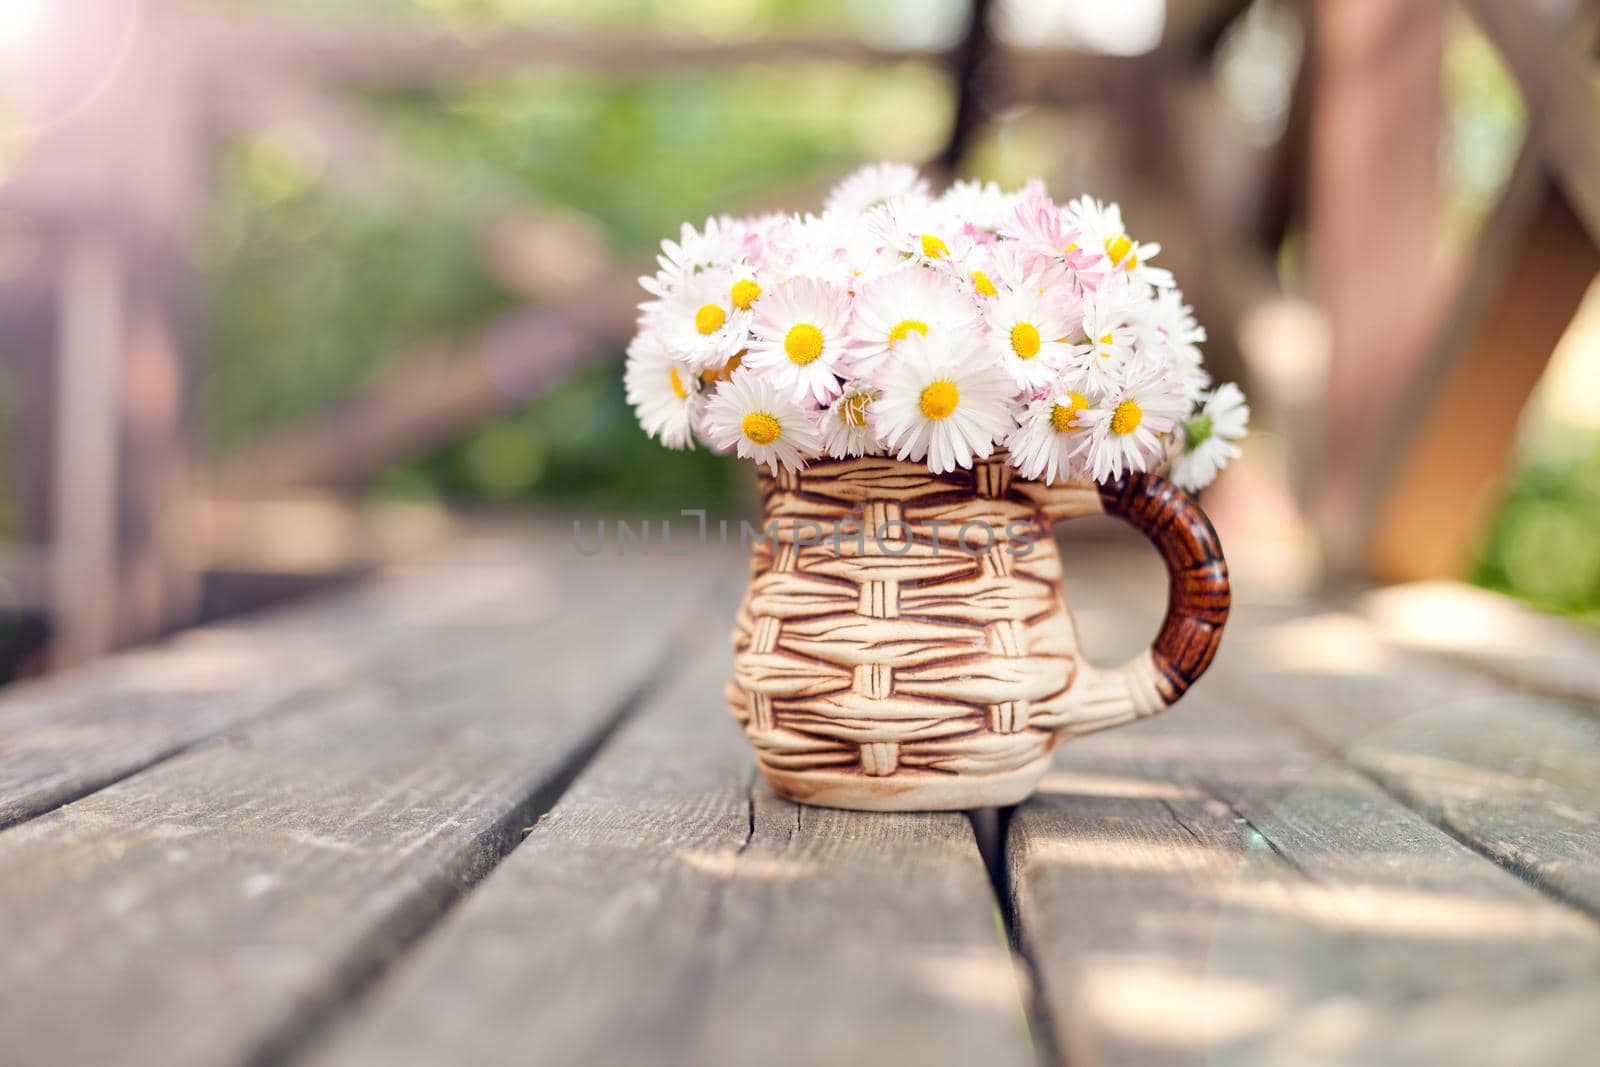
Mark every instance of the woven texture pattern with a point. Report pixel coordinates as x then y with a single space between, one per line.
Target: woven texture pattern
901 625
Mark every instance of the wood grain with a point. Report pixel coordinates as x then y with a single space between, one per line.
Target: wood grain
1225 885
70 735
1517 779
669 910
1341 849
1512 774
1193 895
217 906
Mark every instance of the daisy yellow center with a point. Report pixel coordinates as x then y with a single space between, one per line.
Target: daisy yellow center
1064 417
744 293
933 248
981 282
761 428
1025 340
903 328
939 400
709 319
1108 341
714 375
677 386
853 412
803 343
1120 248
1127 417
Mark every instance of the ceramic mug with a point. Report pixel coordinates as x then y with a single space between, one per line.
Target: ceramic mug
904 644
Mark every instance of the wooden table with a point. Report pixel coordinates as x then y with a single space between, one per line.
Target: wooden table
492 810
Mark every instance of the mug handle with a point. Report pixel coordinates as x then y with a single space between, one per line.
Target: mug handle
1198 598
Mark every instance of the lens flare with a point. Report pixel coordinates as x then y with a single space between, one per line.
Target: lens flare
58 57
22 22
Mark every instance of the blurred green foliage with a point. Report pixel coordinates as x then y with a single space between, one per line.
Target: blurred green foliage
575 446
313 287
1485 121
1544 545
318 281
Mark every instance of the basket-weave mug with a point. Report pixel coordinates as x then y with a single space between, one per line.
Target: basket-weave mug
904 645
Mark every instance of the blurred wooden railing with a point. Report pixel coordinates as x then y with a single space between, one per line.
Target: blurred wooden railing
103 339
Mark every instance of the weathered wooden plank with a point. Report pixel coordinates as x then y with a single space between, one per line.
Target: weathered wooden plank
1514 775
670 911
1517 779
1218 885
1484 631
71 734
212 908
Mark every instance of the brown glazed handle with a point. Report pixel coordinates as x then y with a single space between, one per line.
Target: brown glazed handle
1198 596
1197 600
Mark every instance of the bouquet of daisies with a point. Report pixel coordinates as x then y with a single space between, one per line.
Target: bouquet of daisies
931 329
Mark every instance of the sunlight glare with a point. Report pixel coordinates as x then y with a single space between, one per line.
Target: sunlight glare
22 26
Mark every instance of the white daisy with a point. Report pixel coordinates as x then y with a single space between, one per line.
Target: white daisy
700 323
1050 433
798 339
914 228
1102 229
1209 438
943 400
760 420
847 426
1044 232
981 205
663 391
1167 321
1110 317
720 243
1182 365
1011 266
986 269
1128 429
761 232
895 323
1168 313
971 266
1027 336
891 306
871 185
814 247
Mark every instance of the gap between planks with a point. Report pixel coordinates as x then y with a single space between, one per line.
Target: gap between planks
990 828
299 1034
1430 644
673 909
87 885
1392 688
